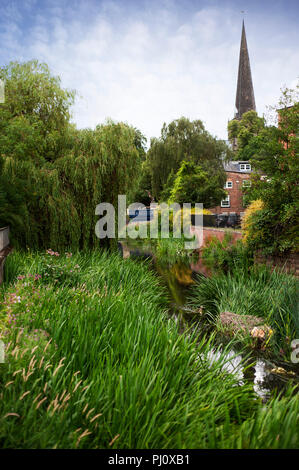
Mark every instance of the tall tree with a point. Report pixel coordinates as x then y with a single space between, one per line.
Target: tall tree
192 184
274 155
59 173
243 130
182 140
35 115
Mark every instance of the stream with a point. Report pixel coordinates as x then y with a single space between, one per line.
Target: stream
178 277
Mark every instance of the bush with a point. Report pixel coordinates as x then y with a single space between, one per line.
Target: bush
226 256
247 224
271 230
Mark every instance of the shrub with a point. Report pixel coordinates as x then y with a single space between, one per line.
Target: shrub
227 256
247 225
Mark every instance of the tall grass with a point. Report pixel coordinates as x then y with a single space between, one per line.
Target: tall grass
272 296
93 361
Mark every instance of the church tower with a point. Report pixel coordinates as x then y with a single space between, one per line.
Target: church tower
245 96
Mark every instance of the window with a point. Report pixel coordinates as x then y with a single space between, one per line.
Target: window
246 183
228 184
245 166
225 202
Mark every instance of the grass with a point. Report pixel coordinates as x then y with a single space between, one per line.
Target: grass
272 296
93 361
167 250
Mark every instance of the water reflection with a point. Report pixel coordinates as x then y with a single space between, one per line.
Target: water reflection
178 277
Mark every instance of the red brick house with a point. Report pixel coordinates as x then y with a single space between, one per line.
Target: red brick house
237 178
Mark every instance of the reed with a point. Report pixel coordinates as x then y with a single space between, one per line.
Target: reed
94 361
259 292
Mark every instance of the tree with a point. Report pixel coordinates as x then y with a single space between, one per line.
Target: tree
11 201
193 184
140 143
52 174
35 115
243 131
274 154
182 140
143 191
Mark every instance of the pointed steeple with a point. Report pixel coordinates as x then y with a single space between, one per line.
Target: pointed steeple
245 96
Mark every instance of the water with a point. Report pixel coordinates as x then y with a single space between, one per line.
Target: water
178 277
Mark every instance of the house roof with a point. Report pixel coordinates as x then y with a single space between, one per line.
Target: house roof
234 166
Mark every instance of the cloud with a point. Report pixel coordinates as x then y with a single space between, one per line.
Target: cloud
150 66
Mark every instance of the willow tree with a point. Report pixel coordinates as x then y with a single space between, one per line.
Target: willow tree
35 114
63 172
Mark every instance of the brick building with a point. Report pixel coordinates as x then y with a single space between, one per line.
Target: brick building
237 178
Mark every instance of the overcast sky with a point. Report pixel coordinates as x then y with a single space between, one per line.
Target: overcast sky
149 62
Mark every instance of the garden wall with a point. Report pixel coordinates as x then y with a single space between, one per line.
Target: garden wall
219 233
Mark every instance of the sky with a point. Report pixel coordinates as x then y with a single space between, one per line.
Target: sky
146 62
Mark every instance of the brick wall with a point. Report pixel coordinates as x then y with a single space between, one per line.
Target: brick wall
289 264
209 233
235 193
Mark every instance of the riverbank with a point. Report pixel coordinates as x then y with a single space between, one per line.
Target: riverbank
198 296
94 361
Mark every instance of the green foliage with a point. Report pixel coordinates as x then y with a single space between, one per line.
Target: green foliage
192 184
140 143
102 367
243 131
273 152
182 140
143 191
63 173
258 292
226 256
11 199
35 114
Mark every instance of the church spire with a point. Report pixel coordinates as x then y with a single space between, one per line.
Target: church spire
245 95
